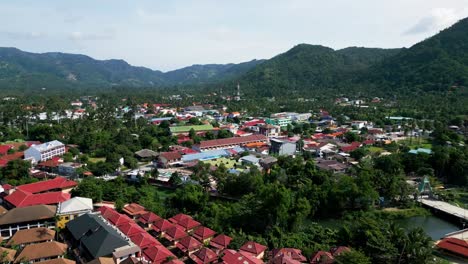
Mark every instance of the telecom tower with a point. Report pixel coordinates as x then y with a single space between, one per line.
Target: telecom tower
237 98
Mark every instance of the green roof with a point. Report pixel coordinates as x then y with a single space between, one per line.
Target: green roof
184 129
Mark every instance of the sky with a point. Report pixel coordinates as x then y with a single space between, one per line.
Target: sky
170 34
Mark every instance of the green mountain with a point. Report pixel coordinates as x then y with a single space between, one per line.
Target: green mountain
19 69
312 67
435 64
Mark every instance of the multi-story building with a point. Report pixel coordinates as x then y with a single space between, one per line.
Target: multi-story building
45 151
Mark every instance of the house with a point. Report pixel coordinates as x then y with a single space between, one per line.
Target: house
119 219
188 224
220 242
167 159
233 257
147 219
294 256
133 210
250 160
73 208
93 237
174 234
131 229
161 226
331 165
27 217
144 240
255 249
57 261
282 147
227 143
44 151
203 256
146 155
157 254
42 251
189 245
322 257
204 234
178 217
268 162
21 198
57 184
269 130
336 251
102 261
31 236
69 169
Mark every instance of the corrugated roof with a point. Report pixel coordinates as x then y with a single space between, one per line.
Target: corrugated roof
28 214
231 141
42 251
32 235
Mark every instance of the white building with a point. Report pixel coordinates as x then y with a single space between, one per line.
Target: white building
45 151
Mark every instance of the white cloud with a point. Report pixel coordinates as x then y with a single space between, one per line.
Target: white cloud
439 18
80 36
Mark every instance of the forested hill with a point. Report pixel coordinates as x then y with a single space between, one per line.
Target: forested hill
19 69
438 63
312 67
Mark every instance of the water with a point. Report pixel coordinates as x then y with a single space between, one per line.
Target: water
435 227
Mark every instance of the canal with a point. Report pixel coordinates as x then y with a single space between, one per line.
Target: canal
435 227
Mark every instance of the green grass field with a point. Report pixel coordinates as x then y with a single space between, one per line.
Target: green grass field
95 160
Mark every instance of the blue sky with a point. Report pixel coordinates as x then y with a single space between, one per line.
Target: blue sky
169 34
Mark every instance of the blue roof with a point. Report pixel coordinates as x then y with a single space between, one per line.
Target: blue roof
420 150
208 155
161 119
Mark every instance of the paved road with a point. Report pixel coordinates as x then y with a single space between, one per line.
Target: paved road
446 207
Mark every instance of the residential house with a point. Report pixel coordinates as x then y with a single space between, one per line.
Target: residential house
27 217
44 151
188 224
250 160
453 246
69 169
26 237
43 251
102 261
331 165
269 130
134 210
282 147
174 234
287 255
57 184
146 155
7 255
233 257
188 245
255 249
69 210
204 256
144 240
161 226
204 234
157 254
21 198
167 159
148 219
322 257
93 237
220 242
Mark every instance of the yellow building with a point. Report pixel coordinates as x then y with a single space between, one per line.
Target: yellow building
71 209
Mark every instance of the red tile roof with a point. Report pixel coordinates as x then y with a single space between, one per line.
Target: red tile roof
157 254
188 224
176 218
170 156
203 233
454 245
59 183
353 146
174 233
232 141
149 217
21 198
189 244
134 209
293 253
106 211
234 257
144 240
52 163
4 149
204 255
131 228
322 257
162 225
253 248
220 241
339 250
119 219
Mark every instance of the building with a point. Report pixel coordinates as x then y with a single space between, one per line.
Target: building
282 147
57 184
21 198
279 121
204 256
94 237
69 169
254 249
167 159
269 130
26 237
220 242
178 130
27 217
42 251
204 234
227 143
134 210
44 151
75 207
8 255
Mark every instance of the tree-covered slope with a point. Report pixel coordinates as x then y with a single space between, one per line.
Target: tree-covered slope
437 63
311 67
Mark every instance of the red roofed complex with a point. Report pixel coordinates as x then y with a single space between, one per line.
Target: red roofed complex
57 184
144 240
131 228
220 242
234 257
231 142
174 233
203 234
188 224
322 257
134 210
189 245
162 225
148 218
254 249
204 255
178 217
454 246
21 198
157 254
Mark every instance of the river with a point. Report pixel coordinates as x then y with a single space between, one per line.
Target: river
435 227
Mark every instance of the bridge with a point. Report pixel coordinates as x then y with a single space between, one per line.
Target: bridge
445 207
